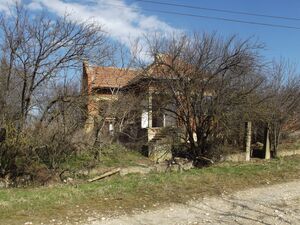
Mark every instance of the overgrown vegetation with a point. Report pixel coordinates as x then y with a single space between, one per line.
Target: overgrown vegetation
210 85
123 194
40 105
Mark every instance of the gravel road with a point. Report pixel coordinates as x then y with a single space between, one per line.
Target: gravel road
276 204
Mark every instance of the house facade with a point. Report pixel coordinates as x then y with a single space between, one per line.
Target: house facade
104 84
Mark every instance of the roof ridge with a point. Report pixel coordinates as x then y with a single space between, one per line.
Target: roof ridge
113 67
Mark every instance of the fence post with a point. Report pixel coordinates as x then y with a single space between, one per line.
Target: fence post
267 142
248 140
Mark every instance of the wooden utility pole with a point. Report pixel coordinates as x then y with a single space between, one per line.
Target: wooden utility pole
248 126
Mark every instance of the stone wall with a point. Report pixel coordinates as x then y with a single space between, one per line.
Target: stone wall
236 157
160 151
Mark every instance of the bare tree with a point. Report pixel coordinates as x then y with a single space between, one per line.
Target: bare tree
36 49
209 80
283 104
40 107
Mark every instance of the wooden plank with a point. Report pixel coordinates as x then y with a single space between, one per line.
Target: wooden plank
107 174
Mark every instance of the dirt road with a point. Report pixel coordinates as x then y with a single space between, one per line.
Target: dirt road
277 204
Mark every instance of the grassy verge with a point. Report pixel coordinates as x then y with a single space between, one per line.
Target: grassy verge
109 156
67 203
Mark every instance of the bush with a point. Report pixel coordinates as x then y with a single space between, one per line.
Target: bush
37 154
13 151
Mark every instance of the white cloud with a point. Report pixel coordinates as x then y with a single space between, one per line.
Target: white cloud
122 21
5 4
35 6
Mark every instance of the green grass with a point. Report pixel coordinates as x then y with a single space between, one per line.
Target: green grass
123 159
109 156
124 194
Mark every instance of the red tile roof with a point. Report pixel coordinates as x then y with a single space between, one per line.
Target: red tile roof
112 77
109 77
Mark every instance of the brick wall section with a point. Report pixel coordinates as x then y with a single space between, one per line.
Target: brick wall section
97 78
87 80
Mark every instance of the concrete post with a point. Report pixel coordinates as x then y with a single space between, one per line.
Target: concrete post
248 127
267 143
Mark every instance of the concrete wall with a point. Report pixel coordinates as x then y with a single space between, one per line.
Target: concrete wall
152 132
288 152
240 157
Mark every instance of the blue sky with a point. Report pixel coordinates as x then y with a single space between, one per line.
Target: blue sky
279 42
131 19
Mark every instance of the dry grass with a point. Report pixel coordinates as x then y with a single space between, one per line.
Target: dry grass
138 192
291 142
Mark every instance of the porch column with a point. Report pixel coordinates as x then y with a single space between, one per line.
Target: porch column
150 97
